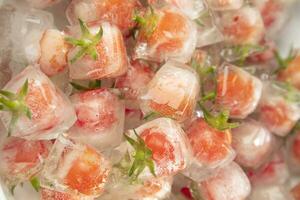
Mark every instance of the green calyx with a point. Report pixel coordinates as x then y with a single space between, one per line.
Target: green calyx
219 121
35 183
244 51
87 42
15 103
147 23
91 85
291 94
142 157
284 62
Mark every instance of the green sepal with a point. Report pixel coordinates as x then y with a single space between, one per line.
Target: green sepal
142 157
244 51
151 115
284 62
15 103
35 183
291 94
95 84
87 42
148 22
219 121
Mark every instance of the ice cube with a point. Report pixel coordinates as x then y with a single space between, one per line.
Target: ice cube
100 118
42 3
31 24
221 5
274 171
228 183
172 36
117 12
133 83
208 32
172 92
253 143
154 189
191 8
277 111
168 144
270 192
112 58
51 111
243 26
293 152
21 159
49 194
237 90
53 51
75 168
211 150
274 14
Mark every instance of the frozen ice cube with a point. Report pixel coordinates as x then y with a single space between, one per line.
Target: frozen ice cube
270 192
228 183
51 111
211 150
276 110
75 168
133 83
153 189
100 118
117 12
253 143
172 37
168 144
221 5
173 92
274 171
112 58
237 90
21 159
243 26
53 52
